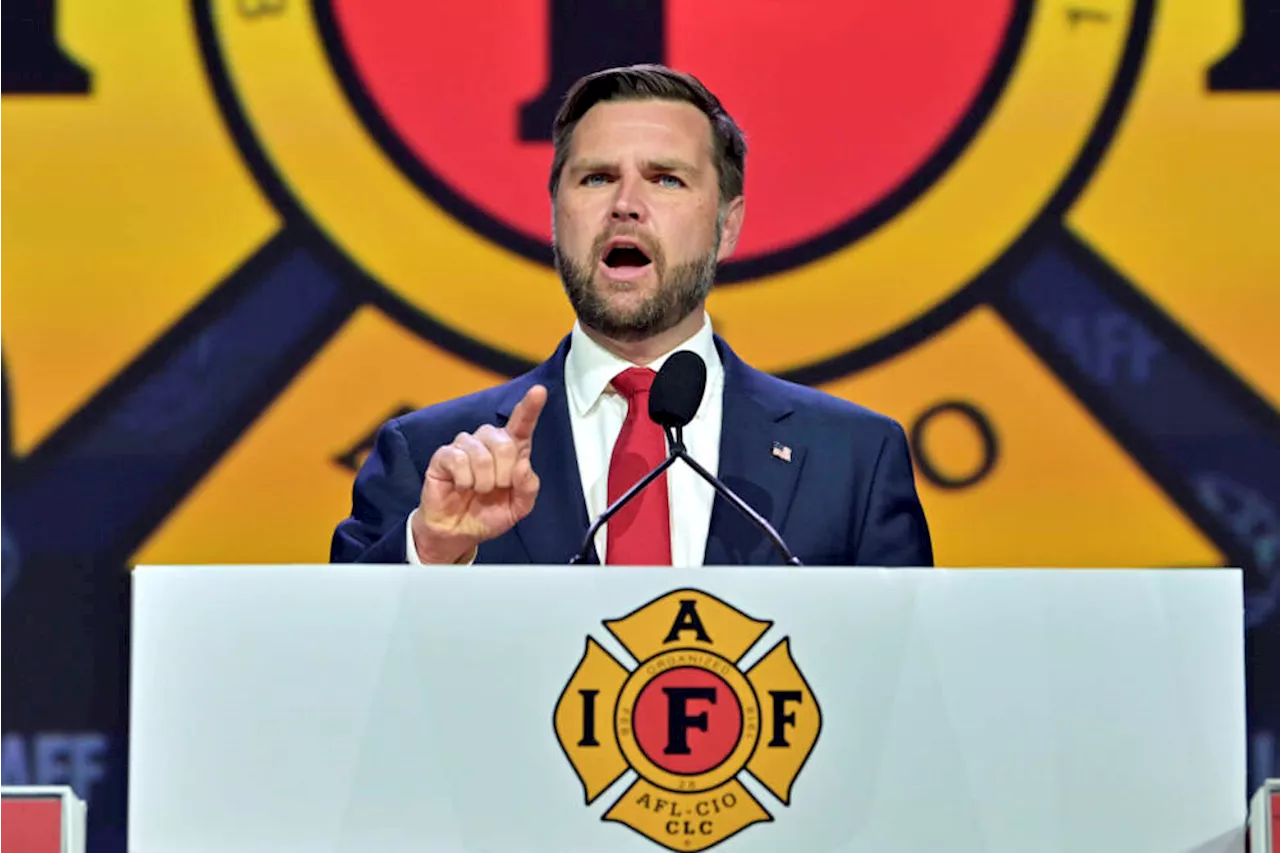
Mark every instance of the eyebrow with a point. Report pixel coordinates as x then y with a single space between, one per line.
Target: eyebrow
669 165
660 165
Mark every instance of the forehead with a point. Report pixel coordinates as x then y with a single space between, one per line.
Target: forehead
649 127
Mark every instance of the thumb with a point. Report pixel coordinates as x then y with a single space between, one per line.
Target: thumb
524 487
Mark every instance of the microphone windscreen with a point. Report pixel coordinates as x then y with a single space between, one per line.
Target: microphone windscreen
677 390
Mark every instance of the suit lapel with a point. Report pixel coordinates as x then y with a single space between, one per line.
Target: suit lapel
553 531
754 421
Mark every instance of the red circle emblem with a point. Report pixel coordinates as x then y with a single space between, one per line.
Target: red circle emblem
687 720
845 103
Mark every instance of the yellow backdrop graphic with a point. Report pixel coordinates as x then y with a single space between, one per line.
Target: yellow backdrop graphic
127 206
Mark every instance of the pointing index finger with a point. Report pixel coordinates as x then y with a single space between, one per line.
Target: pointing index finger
524 417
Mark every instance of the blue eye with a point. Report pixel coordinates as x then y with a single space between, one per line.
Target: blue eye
670 181
594 180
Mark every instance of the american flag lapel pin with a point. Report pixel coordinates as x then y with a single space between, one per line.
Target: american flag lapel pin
782 451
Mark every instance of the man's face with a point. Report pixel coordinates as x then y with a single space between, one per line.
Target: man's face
638 229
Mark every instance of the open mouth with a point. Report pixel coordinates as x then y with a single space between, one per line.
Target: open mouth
626 256
624 259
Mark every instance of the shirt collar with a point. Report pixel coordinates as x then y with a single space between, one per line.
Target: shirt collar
589 367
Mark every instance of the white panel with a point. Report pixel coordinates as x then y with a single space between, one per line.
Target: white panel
356 708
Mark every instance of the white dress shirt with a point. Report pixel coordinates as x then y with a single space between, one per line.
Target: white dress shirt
596 413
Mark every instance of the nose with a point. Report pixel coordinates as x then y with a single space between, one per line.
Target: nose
628 203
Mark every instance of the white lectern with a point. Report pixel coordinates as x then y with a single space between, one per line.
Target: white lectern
483 708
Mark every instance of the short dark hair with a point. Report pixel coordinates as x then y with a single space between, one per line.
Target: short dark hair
641 82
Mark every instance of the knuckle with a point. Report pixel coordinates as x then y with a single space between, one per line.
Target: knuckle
498 437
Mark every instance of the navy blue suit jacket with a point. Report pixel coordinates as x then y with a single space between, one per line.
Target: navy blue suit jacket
846 497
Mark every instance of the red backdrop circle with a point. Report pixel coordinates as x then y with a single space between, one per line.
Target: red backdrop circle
841 100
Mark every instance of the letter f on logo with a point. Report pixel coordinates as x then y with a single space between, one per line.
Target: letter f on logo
678 720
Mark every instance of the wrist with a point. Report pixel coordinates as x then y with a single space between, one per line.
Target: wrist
437 550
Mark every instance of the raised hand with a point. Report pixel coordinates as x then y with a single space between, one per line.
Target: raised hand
477 487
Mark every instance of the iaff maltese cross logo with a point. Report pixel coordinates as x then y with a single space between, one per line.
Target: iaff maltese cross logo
688 721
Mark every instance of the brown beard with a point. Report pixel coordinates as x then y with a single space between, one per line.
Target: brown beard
677 295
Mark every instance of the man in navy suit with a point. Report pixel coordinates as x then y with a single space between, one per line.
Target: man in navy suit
646 189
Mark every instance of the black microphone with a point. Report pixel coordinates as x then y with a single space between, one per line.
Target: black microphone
673 400
676 393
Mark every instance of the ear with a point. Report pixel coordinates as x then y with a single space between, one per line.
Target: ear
732 227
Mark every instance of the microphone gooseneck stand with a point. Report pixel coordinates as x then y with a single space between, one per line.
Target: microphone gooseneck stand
675 439
581 556
678 450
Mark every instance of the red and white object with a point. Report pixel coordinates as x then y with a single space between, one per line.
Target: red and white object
41 819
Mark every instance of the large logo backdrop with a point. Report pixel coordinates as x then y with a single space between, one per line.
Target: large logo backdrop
240 234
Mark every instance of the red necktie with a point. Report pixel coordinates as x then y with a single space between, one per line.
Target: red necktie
639 534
